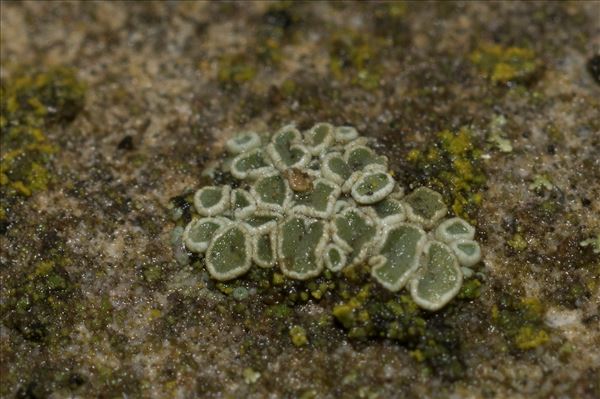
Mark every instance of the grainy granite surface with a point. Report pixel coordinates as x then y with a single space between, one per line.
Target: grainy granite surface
92 300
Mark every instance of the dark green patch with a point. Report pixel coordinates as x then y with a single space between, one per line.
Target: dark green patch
354 59
452 166
29 105
40 306
521 320
372 313
505 64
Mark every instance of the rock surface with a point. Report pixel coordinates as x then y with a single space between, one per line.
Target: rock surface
493 105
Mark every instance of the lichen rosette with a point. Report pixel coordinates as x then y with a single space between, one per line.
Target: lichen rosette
324 199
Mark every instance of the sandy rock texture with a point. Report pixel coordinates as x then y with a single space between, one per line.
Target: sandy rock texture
112 110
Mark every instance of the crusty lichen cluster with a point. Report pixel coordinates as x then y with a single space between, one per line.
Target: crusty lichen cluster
323 199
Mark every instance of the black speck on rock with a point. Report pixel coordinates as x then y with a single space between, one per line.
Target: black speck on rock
126 144
76 380
4 225
278 18
586 202
31 391
593 66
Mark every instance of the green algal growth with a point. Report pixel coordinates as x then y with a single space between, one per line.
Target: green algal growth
366 313
593 242
354 56
38 307
235 70
323 201
522 322
517 242
29 105
250 376
298 336
276 28
505 64
453 167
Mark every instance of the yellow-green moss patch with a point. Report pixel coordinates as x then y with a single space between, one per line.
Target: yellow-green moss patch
29 105
505 64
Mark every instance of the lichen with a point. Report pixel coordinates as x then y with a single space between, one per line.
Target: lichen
323 200
496 135
541 183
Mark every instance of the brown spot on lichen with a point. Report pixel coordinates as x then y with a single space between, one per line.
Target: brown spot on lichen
298 180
